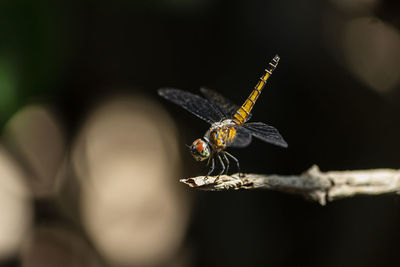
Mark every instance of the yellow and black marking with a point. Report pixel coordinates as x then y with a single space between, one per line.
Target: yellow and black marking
243 112
222 136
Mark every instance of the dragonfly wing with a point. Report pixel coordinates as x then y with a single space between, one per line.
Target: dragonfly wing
227 107
192 103
266 133
242 138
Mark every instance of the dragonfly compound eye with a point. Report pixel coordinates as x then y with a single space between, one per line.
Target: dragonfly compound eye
200 150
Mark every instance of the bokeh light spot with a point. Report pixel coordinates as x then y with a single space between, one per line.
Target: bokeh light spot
15 207
372 52
35 136
127 160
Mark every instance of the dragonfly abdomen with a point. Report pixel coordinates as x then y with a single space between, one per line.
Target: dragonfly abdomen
242 114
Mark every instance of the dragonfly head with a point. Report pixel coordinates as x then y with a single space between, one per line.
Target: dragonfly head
200 150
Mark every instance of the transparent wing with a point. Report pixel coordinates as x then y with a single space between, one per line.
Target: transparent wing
192 103
266 133
242 138
225 106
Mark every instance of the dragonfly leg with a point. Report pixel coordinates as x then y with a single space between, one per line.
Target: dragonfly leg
211 157
237 163
211 168
226 160
222 168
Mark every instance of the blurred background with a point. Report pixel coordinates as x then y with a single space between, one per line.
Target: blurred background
91 157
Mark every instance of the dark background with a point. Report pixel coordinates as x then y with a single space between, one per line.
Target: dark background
73 54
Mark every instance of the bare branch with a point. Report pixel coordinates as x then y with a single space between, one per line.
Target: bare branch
312 184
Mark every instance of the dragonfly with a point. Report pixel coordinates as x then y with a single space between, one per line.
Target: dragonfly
229 122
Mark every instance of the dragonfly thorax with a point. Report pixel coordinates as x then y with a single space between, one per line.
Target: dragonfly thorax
221 134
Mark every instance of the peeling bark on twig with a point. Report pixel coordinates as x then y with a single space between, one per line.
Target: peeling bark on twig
312 184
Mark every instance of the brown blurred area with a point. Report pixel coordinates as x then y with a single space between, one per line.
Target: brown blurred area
90 157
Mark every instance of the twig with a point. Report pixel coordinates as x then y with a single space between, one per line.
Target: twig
312 184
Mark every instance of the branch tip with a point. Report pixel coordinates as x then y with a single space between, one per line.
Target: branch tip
313 184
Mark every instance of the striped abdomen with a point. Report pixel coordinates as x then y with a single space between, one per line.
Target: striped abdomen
243 112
